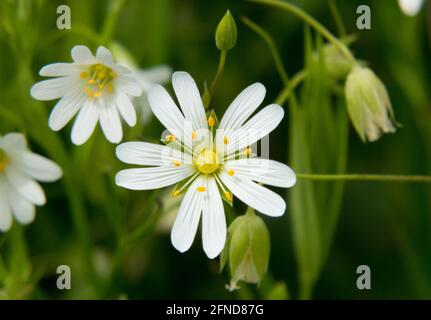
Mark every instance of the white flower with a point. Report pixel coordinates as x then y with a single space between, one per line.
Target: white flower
207 167
410 7
97 87
19 168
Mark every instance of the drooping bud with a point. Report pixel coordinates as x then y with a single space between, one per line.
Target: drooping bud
368 104
226 33
247 250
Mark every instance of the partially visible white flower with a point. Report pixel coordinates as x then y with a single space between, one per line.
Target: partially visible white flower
160 74
410 7
208 167
19 168
97 87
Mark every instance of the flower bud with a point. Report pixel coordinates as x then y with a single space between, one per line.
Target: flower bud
226 33
368 104
247 249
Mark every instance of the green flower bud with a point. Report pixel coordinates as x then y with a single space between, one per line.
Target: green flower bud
247 249
122 55
226 33
368 104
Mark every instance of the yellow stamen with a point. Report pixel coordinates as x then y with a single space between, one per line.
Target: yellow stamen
194 135
201 189
231 172
176 163
228 195
83 75
226 140
89 92
98 94
109 88
170 137
211 121
248 151
4 160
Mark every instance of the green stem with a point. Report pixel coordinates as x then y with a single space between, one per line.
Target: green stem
111 20
337 18
290 87
364 177
219 73
271 45
311 21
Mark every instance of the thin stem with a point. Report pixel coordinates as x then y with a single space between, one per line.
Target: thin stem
290 87
111 20
309 20
337 18
219 73
364 177
271 45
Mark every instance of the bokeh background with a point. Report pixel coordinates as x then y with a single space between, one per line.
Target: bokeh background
117 241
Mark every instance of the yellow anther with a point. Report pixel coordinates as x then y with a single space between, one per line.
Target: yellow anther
226 140
83 75
176 163
91 81
211 121
228 195
231 172
170 137
248 151
4 160
98 94
89 92
201 189
194 135
175 193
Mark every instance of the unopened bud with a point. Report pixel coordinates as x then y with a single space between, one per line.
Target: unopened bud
226 33
368 104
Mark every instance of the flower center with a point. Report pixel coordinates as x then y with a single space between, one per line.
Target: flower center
207 162
4 160
99 77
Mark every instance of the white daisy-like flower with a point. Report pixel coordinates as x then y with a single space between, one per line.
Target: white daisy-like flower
207 166
97 87
410 7
19 168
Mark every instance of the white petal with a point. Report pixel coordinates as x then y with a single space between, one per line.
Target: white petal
254 195
126 109
57 70
213 221
38 167
263 170
410 7
13 142
152 178
190 99
85 123
25 186
187 221
111 123
254 129
243 106
82 55
150 154
5 209
165 109
66 108
51 89
129 85
23 209
159 74
105 56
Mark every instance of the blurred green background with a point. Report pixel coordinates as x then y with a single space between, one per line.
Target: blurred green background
383 225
